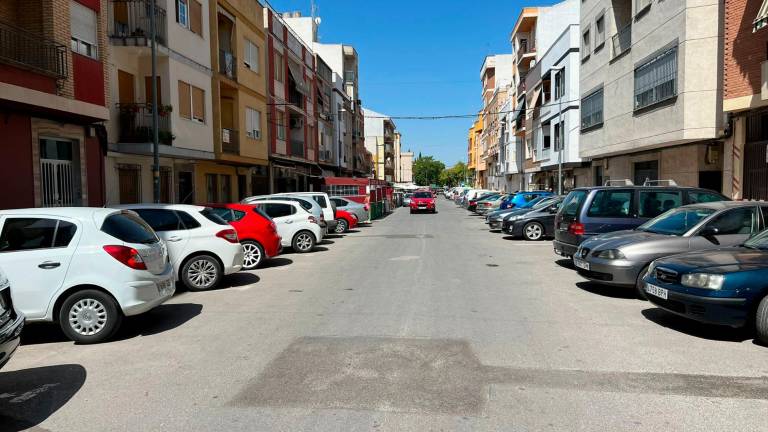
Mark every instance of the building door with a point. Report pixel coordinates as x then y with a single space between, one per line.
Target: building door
59 173
648 170
711 180
129 181
242 187
186 188
125 87
166 187
148 90
755 158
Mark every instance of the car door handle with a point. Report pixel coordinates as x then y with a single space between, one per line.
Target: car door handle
174 239
47 265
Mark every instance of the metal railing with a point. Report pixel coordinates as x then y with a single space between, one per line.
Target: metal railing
130 22
622 40
297 148
135 124
228 64
22 48
230 142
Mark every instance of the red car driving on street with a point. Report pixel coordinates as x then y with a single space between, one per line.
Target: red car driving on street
423 201
256 231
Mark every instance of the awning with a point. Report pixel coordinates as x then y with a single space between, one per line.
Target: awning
761 20
298 77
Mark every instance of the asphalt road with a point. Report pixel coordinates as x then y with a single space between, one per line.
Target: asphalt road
418 322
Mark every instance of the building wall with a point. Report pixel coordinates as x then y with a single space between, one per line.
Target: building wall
17 157
744 55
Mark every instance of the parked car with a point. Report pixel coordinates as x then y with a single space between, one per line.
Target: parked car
725 286
495 218
298 228
487 203
307 203
345 221
83 268
255 229
536 223
202 247
11 322
621 258
587 212
358 209
519 199
321 198
407 199
473 197
423 201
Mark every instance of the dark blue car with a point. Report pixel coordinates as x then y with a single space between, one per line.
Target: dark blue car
727 286
518 199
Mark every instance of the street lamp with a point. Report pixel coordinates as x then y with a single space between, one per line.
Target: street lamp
560 142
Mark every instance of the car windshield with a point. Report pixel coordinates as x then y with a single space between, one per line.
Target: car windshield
211 215
129 228
541 203
573 202
422 195
760 241
532 202
676 222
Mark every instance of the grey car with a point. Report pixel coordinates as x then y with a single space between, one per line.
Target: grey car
621 258
359 210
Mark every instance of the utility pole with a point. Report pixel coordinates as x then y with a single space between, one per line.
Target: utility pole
560 70
155 119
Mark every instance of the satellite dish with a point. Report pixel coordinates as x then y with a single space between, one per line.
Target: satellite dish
318 20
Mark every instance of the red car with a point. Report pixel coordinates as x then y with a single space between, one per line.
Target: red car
256 231
344 221
423 201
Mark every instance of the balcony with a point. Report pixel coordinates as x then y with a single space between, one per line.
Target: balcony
230 142
135 124
29 51
228 64
622 41
130 24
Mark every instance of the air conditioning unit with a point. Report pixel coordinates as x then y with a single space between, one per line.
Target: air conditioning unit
297 123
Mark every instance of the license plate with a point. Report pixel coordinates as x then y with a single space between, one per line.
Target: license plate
581 264
657 291
165 287
564 226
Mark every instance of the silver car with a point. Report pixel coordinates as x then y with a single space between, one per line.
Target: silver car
359 210
621 258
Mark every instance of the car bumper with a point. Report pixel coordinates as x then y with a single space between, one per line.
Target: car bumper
235 263
728 311
274 248
619 272
422 209
141 296
331 224
494 224
10 337
564 249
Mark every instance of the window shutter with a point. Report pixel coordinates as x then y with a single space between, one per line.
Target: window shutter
257 122
196 17
198 104
249 122
83 23
148 90
185 110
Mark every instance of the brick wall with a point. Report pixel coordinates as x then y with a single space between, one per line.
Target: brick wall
744 50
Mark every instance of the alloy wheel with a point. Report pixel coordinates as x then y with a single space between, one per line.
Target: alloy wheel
88 316
303 242
341 226
201 273
251 255
533 231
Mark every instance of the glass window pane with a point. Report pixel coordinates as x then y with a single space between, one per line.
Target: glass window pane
160 220
654 203
736 221
128 228
64 234
611 204
27 233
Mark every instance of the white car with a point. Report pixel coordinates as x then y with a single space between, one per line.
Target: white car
84 268
306 202
322 198
202 246
298 228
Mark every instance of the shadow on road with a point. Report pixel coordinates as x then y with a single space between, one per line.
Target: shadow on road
275 262
326 242
239 279
697 329
320 249
565 263
608 291
333 236
352 231
30 396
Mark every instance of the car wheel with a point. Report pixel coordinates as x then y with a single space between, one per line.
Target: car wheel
761 320
303 242
89 316
533 231
253 254
640 285
341 226
201 273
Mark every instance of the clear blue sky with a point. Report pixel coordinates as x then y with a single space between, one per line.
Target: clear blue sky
419 57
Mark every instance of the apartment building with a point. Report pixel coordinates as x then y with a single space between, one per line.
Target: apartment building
523 40
380 135
185 112
745 99
292 107
239 99
328 156
471 153
480 165
511 150
651 90
53 97
496 76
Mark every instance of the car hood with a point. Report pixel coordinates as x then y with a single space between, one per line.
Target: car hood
422 200
517 212
617 239
723 260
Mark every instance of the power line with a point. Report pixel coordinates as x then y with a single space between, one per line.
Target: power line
460 116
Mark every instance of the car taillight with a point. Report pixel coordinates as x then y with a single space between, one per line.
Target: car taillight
366 207
312 219
576 228
126 255
322 217
472 203
229 235
273 227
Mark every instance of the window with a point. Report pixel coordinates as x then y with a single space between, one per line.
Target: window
191 102
572 203
654 203
611 204
560 83
279 210
182 13
320 199
600 31
559 135
226 187
279 66
736 221
211 216
223 213
280 125
586 45
212 188
83 25
187 220
703 197
161 220
21 234
128 228
656 80
599 179
237 214
641 6
189 14
252 123
251 55
676 222
592 110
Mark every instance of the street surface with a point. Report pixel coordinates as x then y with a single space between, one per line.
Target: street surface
415 323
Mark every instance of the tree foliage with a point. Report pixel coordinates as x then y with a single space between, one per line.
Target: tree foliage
454 175
426 170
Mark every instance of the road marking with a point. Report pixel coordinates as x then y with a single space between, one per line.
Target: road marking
405 258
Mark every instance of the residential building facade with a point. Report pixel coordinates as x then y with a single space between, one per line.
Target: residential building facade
496 77
403 161
380 136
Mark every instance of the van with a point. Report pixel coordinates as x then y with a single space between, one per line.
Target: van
620 205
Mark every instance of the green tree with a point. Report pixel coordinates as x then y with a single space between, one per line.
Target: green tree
454 175
426 170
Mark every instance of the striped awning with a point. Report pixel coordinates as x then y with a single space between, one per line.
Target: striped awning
761 20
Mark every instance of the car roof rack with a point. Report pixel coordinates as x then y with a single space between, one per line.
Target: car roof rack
669 182
623 182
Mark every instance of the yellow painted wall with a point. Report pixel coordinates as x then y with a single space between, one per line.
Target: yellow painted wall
204 168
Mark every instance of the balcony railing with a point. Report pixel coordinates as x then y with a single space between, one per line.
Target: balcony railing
228 64
27 50
135 123
622 40
130 23
229 141
297 148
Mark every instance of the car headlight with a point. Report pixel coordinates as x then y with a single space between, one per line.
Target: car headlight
611 254
651 269
513 218
703 280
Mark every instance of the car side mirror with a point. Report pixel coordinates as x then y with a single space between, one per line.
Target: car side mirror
709 233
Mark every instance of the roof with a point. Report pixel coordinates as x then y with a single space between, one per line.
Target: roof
71 212
187 207
720 205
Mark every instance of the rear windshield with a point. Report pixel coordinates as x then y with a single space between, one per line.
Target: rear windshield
320 199
262 213
213 217
129 228
543 203
422 195
573 202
